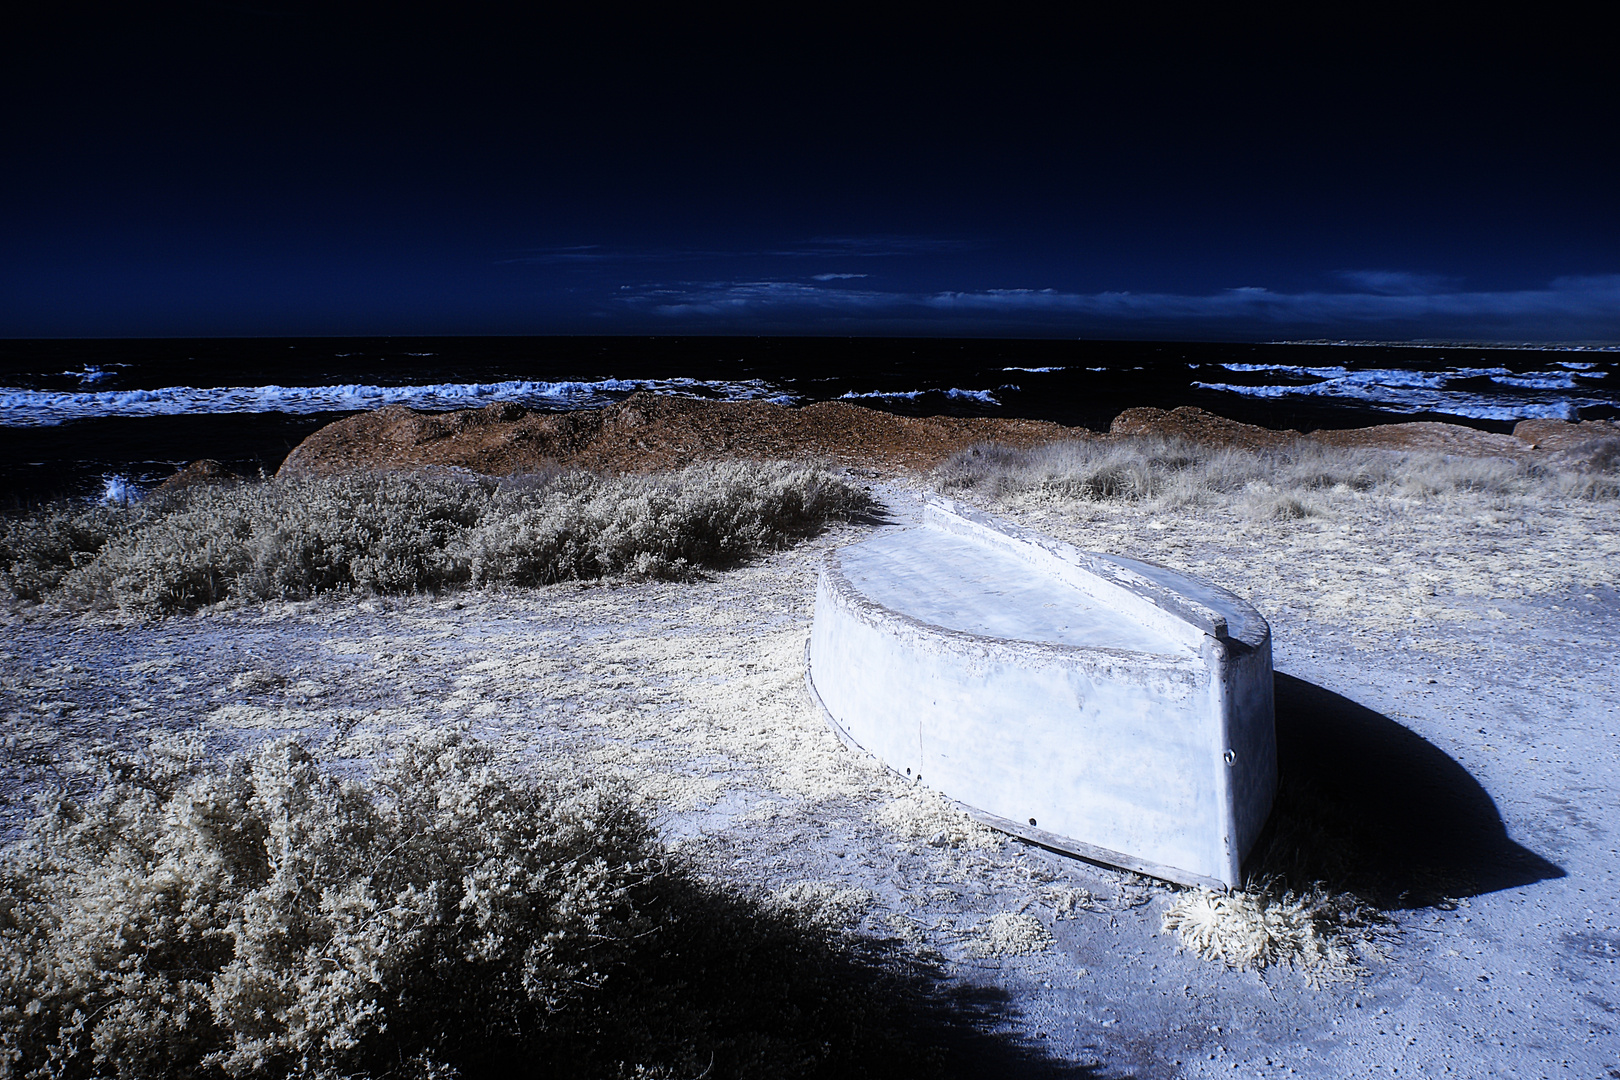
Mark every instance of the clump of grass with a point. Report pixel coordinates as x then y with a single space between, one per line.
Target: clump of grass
264 918
1320 933
1319 885
921 814
1276 483
395 534
1010 933
824 903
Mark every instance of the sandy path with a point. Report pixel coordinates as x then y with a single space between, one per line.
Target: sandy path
1489 638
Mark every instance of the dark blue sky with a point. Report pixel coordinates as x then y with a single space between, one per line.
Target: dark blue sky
275 169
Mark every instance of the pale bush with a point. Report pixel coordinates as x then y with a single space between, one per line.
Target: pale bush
268 918
394 534
1591 471
264 918
1271 506
39 549
665 525
1483 476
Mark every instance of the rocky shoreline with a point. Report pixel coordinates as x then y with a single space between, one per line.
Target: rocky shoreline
650 432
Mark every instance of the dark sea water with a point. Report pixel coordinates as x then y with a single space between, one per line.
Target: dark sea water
79 418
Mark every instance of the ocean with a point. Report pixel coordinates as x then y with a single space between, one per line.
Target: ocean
87 418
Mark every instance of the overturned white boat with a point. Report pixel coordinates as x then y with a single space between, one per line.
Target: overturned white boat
1094 704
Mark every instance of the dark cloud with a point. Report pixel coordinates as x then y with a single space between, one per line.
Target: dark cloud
873 247
1398 282
1572 307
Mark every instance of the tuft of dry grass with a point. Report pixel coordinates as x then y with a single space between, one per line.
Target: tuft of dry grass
1323 934
401 534
1008 933
1312 901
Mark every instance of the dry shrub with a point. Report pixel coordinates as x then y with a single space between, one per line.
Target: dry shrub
1481 476
662 526
394 534
1590 471
1268 505
39 549
267 919
1092 470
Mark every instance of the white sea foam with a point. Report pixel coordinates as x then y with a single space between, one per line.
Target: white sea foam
986 396
1040 370
1539 380
117 490
1424 400
38 408
1435 391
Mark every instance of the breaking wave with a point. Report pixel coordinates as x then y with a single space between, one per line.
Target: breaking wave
39 408
1481 393
985 397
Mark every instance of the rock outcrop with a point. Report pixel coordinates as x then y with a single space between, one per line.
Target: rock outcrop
200 473
1563 435
1192 424
649 432
1195 425
644 433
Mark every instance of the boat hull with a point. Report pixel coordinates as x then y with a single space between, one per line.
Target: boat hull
1162 762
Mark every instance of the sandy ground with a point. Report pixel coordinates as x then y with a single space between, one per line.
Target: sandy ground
1456 661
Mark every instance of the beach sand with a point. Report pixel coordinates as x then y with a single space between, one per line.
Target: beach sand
1473 635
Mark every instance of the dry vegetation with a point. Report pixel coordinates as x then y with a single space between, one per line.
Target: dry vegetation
263 918
1292 482
398 534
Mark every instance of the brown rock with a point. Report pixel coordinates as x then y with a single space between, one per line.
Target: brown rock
650 432
647 432
1563 435
201 472
1424 435
1192 424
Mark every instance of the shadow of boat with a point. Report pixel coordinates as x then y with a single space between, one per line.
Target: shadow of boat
1368 806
